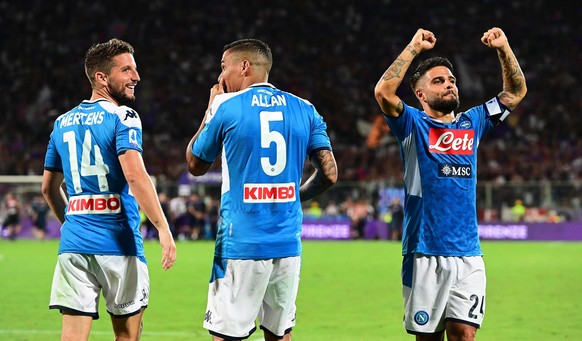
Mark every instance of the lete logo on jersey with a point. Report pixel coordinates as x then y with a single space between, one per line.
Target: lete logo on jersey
451 141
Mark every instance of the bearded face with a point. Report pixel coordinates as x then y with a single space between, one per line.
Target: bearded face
121 93
444 104
122 79
438 90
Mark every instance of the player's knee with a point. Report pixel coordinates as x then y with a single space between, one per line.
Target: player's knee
460 332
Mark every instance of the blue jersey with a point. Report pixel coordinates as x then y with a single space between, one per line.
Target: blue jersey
264 135
102 216
440 179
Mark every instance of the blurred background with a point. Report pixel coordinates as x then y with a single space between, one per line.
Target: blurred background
329 52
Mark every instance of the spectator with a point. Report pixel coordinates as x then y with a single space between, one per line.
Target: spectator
518 211
313 211
12 212
331 210
547 140
397 221
40 210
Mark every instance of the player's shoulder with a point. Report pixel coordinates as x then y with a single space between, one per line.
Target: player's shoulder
221 99
293 97
223 102
479 110
126 115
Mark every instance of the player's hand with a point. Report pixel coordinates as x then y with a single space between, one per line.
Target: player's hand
494 38
217 89
423 40
168 249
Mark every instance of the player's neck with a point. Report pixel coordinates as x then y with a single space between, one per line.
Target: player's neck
97 94
441 116
253 80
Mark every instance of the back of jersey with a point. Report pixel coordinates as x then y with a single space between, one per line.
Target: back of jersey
102 216
265 135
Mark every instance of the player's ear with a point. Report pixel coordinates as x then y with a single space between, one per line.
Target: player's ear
100 78
419 94
245 67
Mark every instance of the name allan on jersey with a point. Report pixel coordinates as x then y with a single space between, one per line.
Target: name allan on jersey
268 100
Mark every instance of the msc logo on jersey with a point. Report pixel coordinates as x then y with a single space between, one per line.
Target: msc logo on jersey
269 193
451 141
94 204
421 317
450 170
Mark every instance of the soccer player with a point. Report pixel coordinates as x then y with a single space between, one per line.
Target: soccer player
443 273
96 149
264 135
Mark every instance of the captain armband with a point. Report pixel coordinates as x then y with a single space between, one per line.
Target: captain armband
496 111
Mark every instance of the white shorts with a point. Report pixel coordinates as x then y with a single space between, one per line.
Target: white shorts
437 289
241 291
79 279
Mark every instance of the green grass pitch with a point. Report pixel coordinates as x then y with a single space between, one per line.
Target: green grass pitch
348 291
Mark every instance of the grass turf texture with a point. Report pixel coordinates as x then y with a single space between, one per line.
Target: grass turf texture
348 291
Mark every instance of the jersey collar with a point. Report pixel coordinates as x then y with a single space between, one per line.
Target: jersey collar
256 85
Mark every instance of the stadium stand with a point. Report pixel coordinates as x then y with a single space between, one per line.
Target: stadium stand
330 52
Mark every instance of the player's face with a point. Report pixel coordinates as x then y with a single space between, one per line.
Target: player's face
231 75
440 90
123 78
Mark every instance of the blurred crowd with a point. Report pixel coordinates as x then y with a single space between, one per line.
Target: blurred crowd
192 216
330 52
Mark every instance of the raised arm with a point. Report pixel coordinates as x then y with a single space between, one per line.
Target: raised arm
196 166
514 88
385 91
323 178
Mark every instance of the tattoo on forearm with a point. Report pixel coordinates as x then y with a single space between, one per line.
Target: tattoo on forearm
320 181
400 107
412 51
328 165
513 79
394 70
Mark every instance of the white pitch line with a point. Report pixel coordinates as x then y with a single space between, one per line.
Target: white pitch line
96 332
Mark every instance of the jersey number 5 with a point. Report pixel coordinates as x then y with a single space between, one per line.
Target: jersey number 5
99 169
269 136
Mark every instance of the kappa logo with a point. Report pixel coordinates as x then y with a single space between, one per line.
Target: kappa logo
130 114
208 317
421 317
451 141
145 295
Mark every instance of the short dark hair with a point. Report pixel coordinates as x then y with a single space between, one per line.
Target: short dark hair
254 46
426 65
99 57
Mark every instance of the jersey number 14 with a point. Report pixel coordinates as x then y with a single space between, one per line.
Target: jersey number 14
99 169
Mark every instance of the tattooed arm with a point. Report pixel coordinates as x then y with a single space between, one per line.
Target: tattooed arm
514 88
385 91
323 178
